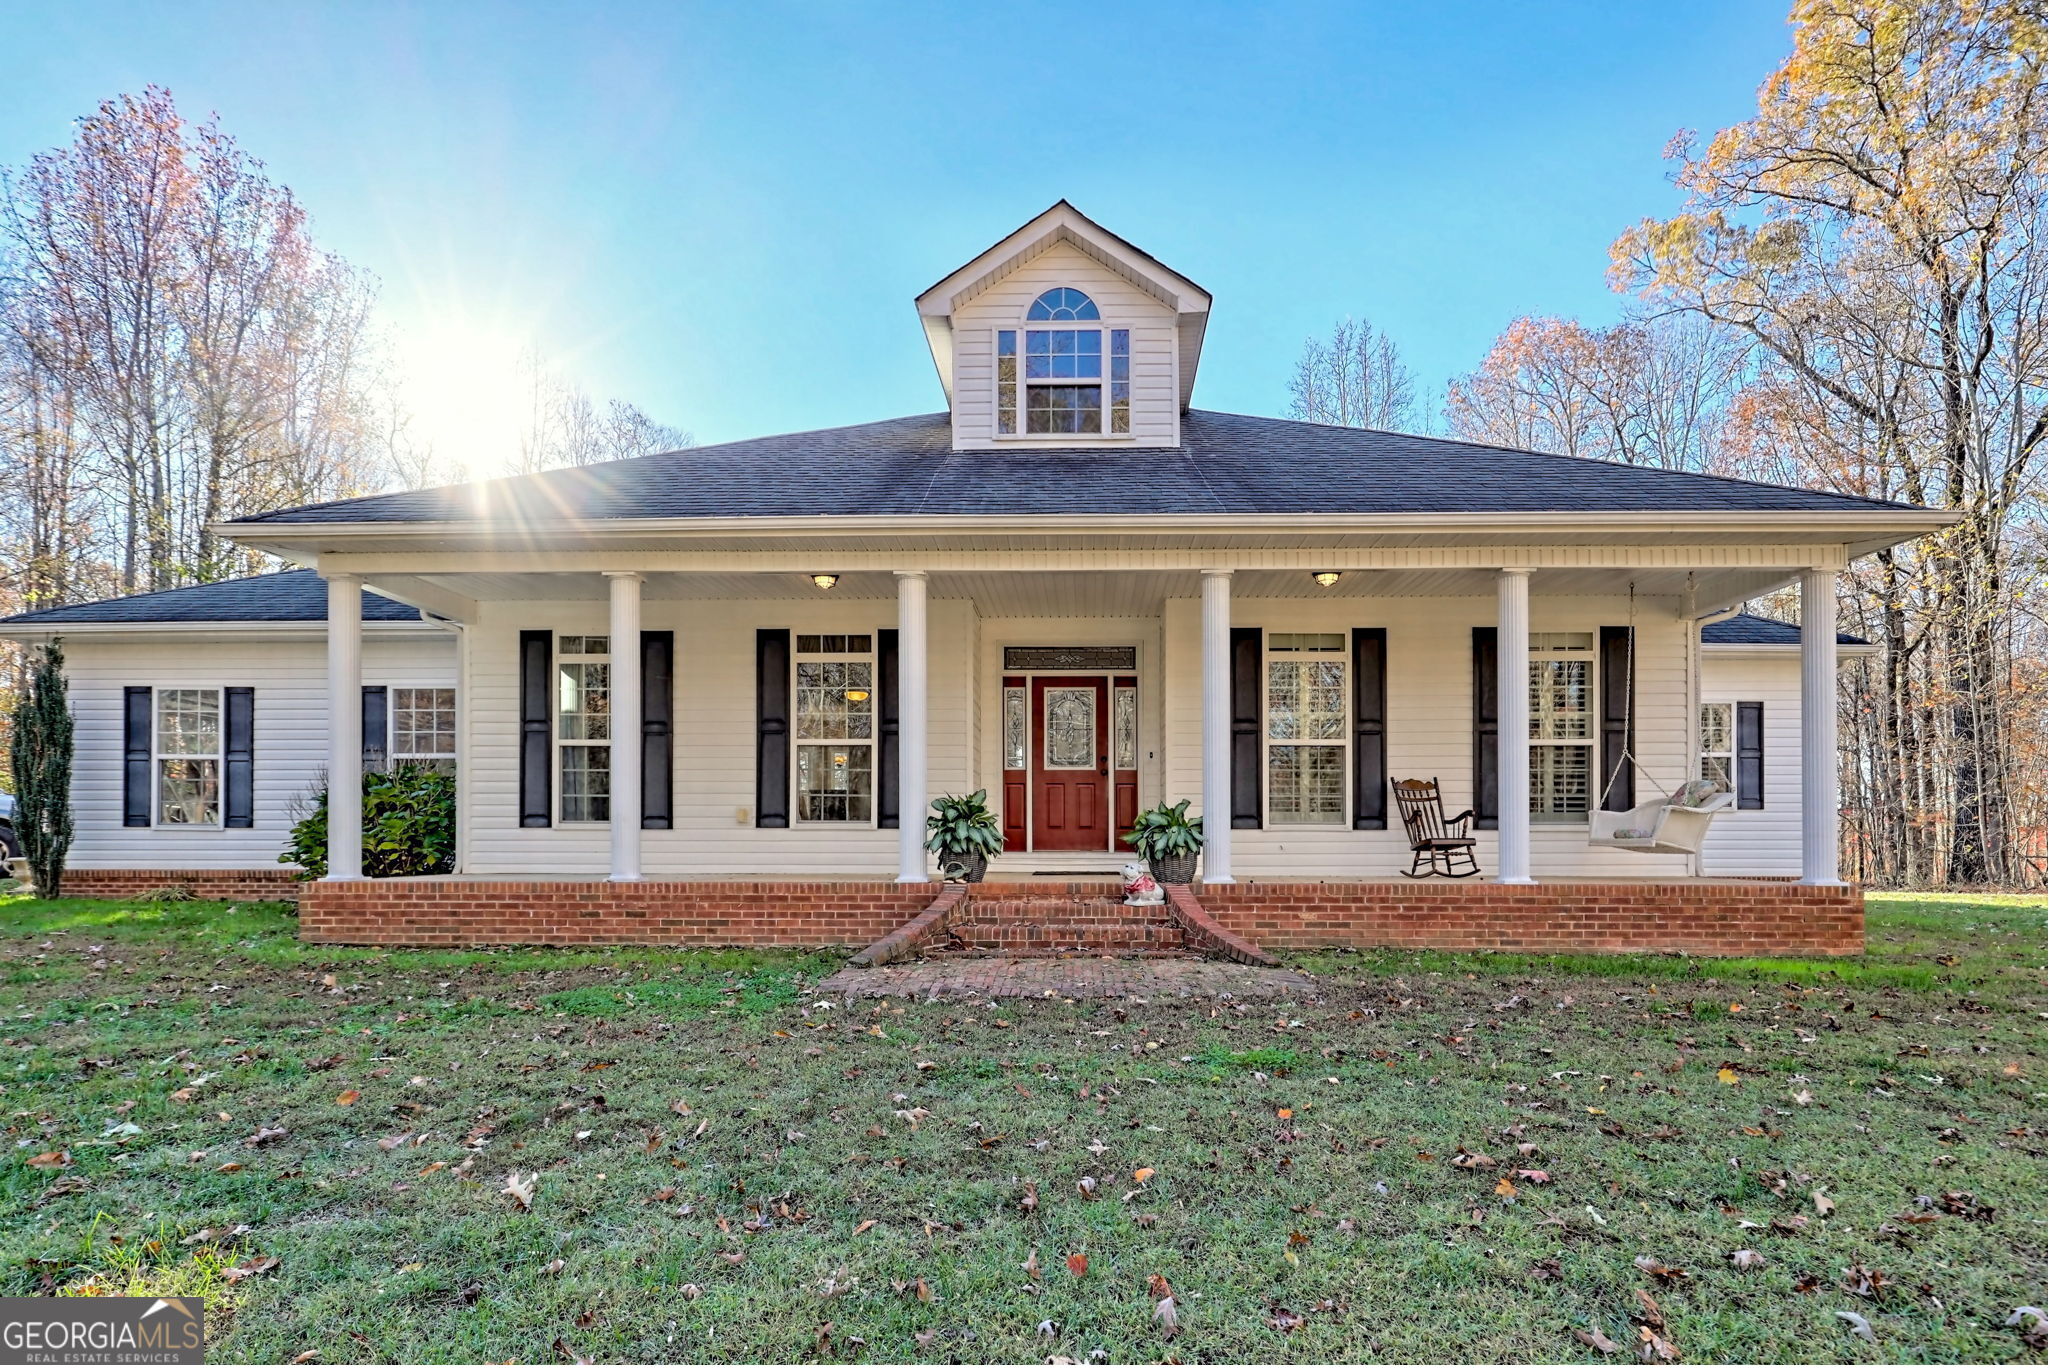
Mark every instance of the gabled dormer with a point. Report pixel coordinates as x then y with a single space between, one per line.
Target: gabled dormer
1065 334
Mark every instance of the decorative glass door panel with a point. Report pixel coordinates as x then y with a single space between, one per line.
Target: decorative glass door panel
1070 779
1070 726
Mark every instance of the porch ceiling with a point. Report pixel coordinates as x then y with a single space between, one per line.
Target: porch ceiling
1074 593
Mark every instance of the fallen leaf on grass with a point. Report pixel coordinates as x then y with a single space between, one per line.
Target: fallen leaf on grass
1858 1325
520 1190
1745 1259
1650 1346
1822 1205
1143 1174
2033 1325
50 1160
1546 1269
1597 1339
1535 1177
392 1144
864 1227
265 1135
1726 1076
1077 1264
348 1097
248 1269
1657 1270
1031 1264
1283 1320
1504 1187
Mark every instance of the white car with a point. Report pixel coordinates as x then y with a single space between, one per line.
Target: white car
10 842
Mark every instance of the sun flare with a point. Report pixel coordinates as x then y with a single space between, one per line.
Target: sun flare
463 388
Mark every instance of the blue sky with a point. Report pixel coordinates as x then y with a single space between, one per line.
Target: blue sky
722 212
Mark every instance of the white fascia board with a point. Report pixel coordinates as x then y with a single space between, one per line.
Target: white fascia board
1829 529
39 632
1737 651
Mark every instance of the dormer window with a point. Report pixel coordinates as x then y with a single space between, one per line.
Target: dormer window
1062 376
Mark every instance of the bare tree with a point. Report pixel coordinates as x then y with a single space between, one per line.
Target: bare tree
1355 379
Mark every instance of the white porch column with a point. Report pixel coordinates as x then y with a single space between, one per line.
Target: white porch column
345 727
625 700
912 703
1512 651
1819 795
1216 807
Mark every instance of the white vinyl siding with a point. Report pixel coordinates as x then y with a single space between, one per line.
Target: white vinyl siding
714 832
1153 360
1759 843
288 672
1429 725
1429 730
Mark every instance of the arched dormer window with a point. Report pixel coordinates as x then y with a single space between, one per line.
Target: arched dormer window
1063 305
1063 378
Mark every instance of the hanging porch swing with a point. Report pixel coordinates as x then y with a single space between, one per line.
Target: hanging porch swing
1670 822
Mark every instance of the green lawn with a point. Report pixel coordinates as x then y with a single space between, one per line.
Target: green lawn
723 1167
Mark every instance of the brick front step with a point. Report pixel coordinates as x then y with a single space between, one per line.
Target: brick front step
1065 911
940 954
1083 936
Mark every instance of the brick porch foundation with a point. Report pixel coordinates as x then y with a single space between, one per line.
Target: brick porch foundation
698 914
1719 918
1725 918
218 884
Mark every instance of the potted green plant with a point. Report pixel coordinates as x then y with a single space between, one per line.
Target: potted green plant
965 834
1168 840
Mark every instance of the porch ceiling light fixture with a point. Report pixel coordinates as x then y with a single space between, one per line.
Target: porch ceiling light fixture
1327 578
825 580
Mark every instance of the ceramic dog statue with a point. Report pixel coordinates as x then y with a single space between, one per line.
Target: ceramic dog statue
1139 886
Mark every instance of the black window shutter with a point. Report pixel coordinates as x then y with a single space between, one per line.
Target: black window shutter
376 729
1749 755
1486 727
888 731
238 785
1247 646
1617 717
536 729
657 728
135 721
1369 728
771 729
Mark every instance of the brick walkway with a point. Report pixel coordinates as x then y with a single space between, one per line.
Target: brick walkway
1067 978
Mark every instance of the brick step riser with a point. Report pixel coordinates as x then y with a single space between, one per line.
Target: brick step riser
1080 936
1120 954
1047 911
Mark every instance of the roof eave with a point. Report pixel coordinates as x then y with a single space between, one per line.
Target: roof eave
1861 529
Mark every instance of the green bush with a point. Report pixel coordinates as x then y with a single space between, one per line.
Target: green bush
408 825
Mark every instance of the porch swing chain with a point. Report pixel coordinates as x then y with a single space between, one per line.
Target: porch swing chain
1628 703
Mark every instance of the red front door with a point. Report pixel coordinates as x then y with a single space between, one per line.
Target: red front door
1070 806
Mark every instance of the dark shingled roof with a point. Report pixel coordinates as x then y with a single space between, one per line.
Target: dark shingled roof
294 595
1227 465
1744 629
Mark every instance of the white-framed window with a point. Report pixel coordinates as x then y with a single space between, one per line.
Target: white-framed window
188 756
1067 380
583 727
1717 743
835 729
1307 710
423 726
1561 732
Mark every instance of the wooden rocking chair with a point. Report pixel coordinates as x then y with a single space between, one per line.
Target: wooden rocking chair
1444 844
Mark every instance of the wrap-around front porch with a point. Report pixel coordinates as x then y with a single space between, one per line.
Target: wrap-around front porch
790 729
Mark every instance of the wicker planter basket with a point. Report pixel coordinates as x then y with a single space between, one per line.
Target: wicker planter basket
1176 869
